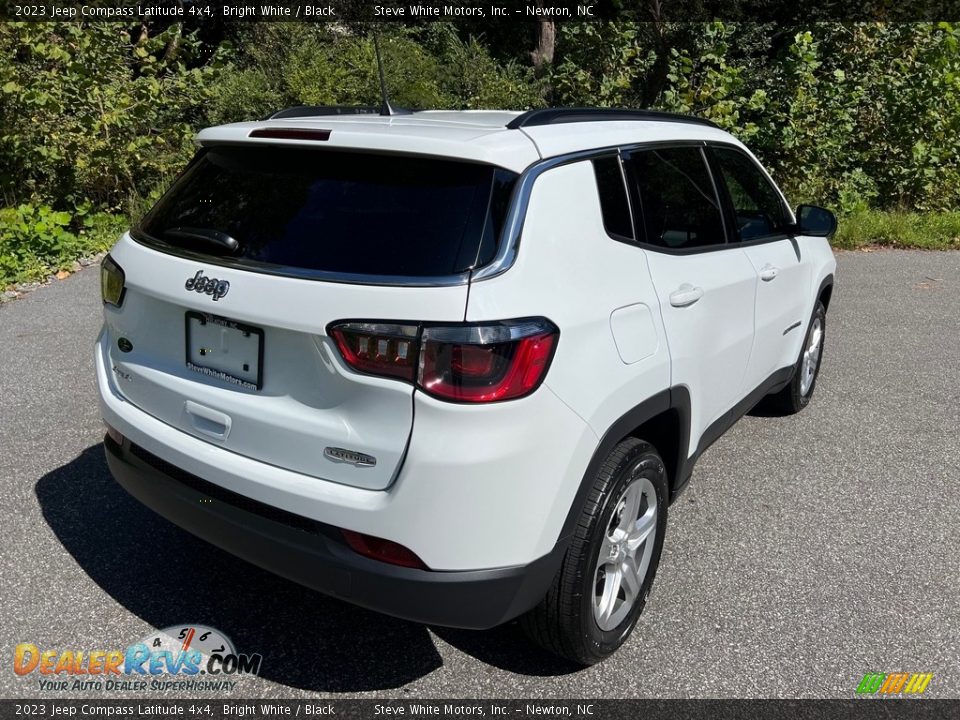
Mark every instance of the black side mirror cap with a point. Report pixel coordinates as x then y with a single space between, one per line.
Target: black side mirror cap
816 221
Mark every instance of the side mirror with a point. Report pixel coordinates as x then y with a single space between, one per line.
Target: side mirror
815 221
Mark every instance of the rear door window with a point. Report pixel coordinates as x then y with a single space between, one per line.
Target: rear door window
335 212
678 207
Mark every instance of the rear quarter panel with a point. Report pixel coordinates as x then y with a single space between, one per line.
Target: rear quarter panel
569 270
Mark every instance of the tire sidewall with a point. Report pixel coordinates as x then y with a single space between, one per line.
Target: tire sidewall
642 462
803 400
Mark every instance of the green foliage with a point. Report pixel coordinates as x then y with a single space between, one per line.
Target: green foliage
97 118
89 114
426 68
929 230
849 115
37 240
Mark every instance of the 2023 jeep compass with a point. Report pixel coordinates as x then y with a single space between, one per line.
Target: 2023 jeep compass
454 366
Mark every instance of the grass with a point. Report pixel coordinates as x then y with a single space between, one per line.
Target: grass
927 231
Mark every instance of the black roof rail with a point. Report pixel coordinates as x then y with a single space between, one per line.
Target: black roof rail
320 110
557 116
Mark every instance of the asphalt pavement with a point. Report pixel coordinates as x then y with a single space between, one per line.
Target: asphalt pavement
807 551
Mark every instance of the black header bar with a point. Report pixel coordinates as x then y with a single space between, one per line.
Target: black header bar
415 11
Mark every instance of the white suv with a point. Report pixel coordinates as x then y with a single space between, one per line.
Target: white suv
455 366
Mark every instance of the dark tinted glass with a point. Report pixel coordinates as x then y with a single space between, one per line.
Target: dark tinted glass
677 202
333 211
613 198
756 204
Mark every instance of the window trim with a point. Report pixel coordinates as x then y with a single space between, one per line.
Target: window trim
727 199
520 199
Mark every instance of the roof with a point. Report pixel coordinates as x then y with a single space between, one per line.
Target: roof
508 139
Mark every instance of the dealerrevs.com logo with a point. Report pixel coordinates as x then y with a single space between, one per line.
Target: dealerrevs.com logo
898 683
180 657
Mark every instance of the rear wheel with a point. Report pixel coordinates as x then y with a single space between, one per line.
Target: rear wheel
796 395
606 575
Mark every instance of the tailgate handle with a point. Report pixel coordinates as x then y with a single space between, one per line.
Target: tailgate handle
208 421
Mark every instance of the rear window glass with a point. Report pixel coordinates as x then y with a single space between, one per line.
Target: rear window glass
320 210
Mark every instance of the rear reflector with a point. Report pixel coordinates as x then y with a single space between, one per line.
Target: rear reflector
290 134
383 550
114 434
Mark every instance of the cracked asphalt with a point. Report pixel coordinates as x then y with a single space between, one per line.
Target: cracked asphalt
807 550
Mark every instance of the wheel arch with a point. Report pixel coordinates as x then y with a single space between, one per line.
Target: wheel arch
663 420
826 291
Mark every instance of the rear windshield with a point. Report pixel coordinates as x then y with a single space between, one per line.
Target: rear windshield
321 210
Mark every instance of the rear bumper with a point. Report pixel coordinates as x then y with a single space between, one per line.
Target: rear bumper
313 554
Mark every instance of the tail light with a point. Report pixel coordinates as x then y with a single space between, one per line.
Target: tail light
378 348
112 282
476 363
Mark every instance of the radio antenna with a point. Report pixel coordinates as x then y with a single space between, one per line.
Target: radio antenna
385 107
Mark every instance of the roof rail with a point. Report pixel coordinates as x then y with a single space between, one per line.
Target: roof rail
558 116
319 110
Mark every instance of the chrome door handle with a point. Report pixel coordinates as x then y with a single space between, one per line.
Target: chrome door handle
685 295
768 272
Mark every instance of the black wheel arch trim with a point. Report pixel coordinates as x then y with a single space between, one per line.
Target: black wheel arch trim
827 282
676 399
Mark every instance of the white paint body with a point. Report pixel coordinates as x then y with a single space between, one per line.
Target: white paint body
463 486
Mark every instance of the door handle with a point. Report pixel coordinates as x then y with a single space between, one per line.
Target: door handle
768 272
685 295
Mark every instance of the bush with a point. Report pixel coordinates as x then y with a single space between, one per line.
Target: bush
848 115
37 240
89 115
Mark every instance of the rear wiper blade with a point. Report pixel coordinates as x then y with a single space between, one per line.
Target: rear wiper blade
215 238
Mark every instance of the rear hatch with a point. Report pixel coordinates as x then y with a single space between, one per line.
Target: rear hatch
233 277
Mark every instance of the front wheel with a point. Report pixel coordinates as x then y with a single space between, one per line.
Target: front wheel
606 575
796 395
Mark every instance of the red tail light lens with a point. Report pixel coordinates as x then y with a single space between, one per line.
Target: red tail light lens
383 550
484 362
379 348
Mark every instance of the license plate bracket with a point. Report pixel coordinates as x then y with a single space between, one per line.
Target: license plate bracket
224 349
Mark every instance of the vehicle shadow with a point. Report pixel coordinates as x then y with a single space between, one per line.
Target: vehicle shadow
308 640
168 577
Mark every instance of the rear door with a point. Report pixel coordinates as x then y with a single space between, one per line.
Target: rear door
705 286
233 278
762 226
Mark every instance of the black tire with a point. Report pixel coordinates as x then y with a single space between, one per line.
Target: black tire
564 621
791 400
